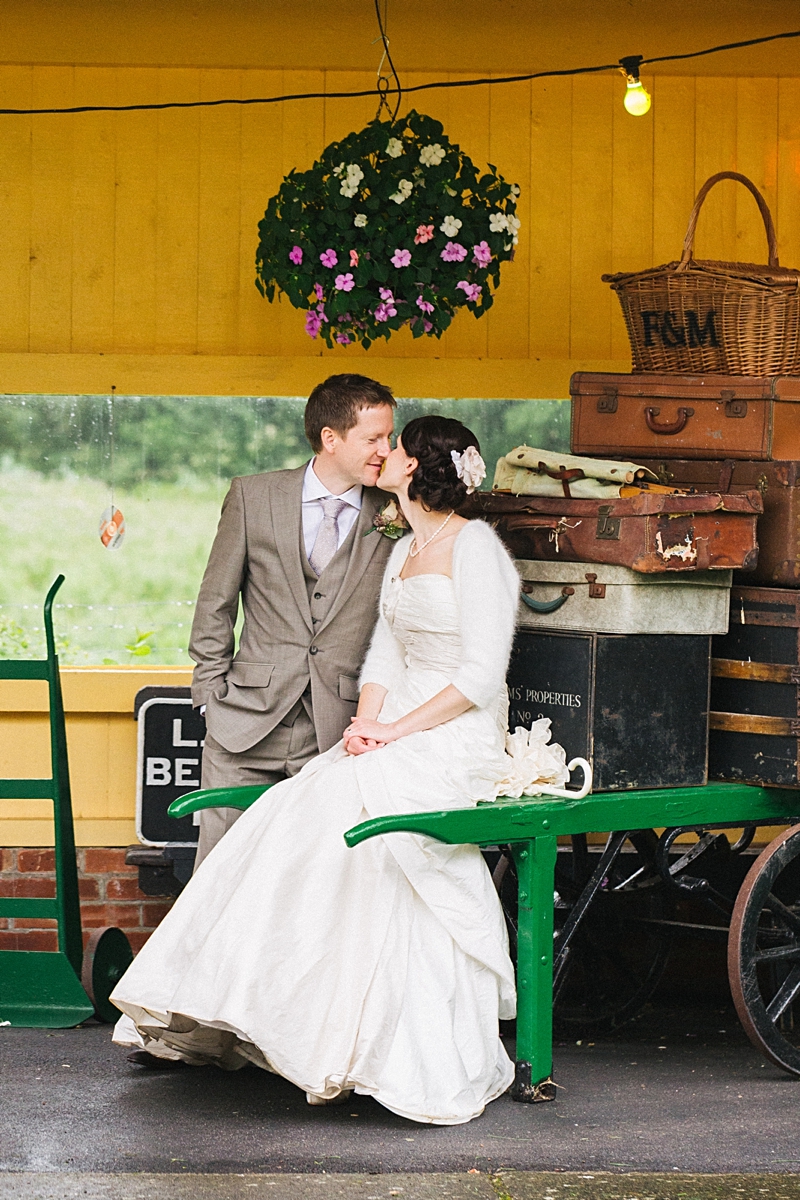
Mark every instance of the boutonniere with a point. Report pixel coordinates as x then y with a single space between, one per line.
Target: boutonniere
389 521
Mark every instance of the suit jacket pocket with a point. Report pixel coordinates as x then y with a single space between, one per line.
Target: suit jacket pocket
348 688
250 674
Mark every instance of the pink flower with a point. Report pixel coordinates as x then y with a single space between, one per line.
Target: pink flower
401 258
353 258
318 292
387 295
296 255
454 252
427 326
425 305
385 310
329 258
344 283
482 254
471 290
313 323
424 234
343 339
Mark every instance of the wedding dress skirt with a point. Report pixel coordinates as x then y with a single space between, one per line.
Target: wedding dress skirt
383 968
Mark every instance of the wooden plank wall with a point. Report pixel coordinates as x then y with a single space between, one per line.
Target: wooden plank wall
135 233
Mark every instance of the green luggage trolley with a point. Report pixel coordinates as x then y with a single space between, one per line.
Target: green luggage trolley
764 930
56 989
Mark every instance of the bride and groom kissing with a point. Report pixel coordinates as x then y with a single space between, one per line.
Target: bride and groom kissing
369 679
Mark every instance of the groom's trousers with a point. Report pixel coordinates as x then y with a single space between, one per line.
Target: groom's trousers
282 753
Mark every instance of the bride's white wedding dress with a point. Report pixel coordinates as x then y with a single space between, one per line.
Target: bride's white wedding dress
383 968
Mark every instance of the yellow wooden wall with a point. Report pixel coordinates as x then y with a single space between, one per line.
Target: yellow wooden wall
132 236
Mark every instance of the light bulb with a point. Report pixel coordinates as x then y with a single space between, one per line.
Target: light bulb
637 100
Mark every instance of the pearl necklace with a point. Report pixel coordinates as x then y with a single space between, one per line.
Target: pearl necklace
413 551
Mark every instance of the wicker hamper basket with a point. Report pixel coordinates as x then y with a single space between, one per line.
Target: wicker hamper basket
705 317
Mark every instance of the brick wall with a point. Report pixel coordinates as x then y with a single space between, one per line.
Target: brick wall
109 892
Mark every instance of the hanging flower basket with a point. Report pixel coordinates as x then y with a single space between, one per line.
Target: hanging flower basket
392 226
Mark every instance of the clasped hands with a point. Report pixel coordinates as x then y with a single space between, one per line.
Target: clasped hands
363 735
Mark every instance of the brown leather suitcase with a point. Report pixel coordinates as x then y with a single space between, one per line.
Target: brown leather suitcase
649 532
779 527
685 416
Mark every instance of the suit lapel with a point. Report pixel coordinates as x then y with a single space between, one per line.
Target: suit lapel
363 549
287 515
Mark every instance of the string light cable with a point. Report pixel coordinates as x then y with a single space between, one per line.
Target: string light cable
386 87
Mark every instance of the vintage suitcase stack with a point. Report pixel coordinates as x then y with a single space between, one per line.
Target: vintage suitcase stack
728 436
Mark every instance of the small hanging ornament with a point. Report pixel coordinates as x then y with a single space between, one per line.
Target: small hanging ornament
112 528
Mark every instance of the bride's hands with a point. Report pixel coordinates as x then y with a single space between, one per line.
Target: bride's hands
365 734
357 745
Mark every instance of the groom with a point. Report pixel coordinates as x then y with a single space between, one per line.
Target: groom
291 548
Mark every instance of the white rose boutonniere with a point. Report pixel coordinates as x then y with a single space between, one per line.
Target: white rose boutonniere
389 521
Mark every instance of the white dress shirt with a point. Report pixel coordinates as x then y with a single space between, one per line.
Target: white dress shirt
314 491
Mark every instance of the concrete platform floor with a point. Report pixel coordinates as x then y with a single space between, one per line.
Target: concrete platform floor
676 1091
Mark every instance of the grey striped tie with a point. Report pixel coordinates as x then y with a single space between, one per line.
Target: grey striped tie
327 539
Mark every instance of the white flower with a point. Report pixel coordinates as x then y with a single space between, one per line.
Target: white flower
350 184
404 189
450 191
394 148
450 226
514 189
513 226
470 468
360 220
498 222
431 156
338 170
531 760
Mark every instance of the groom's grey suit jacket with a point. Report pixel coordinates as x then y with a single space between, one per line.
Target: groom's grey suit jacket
298 632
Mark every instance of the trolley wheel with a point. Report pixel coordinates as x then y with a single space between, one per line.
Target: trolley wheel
621 947
764 952
106 958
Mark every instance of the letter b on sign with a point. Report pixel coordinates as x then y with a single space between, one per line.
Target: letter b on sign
159 772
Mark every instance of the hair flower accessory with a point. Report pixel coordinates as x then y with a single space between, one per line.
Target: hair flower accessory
470 468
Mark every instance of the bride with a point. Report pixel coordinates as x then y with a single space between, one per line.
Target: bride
383 969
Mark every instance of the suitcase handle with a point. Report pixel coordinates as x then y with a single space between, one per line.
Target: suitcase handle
548 606
668 427
529 521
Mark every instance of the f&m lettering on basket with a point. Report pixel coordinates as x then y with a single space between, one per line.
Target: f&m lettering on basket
672 331
705 317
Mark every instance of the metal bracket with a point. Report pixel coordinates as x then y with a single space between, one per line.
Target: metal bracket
527 1092
597 591
734 407
607 402
607 526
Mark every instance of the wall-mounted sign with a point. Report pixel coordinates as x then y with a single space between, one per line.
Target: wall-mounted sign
169 758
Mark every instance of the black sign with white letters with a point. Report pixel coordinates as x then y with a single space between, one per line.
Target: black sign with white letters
171 737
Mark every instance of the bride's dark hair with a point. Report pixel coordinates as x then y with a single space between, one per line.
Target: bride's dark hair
431 440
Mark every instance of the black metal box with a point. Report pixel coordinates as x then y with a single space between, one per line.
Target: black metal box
755 689
634 705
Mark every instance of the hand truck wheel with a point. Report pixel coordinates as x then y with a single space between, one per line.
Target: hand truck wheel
764 952
106 958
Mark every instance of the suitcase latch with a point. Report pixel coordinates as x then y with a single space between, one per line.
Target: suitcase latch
607 402
597 591
607 526
733 407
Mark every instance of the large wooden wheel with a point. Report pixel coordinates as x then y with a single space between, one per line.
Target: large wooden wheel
764 952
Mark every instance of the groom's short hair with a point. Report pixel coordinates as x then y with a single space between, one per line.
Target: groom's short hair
337 402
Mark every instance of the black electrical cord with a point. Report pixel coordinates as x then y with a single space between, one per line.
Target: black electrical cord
420 87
